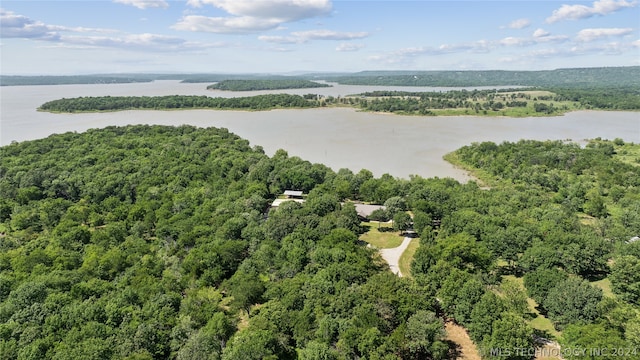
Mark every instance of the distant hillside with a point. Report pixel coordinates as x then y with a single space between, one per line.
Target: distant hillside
573 78
583 77
72 79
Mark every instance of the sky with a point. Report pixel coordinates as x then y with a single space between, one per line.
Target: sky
291 36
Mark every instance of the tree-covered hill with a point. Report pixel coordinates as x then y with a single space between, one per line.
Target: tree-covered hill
14 80
152 242
597 77
565 78
252 85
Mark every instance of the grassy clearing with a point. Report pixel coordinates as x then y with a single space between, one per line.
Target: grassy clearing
379 239
628 153
605 285
539 321
407 257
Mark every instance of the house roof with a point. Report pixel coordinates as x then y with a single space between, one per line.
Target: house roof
365 210
277 202
293 193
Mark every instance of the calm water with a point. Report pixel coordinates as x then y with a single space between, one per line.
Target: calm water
337 137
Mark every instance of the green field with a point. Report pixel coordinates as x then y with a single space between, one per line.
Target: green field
381 239
407 257
605 285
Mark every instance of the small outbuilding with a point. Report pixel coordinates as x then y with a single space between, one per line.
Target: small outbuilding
293 194
288 195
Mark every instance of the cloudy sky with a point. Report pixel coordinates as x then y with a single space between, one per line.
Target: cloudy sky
281 36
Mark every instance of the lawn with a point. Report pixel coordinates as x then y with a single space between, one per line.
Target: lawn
407 257
381 239
605 285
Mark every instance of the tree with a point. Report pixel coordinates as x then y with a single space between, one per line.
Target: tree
395 205
463 252
511 337
208 342
317 351
595 205
632 331
625 278
425 337
449 292
379 215
422 224
246 289
596 340
573 300
253 344
515 297
402 222
539 255
484 313
540 281
468 296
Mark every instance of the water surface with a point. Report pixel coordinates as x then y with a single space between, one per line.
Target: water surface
338 137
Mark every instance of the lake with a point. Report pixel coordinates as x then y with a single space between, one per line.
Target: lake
337 137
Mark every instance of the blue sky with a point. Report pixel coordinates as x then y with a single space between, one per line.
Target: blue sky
284 36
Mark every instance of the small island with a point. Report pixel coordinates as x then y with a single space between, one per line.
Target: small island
265 84
174 102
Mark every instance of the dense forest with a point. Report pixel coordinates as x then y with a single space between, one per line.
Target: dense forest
153 242
564 78
251 85
118 103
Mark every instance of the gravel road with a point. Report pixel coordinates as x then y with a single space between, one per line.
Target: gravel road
392 256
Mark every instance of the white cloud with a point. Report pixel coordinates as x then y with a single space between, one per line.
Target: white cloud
540 33
519 24
587 35
513 41
329 35
349 47
287 10
19 26
228 25
300 37
276 39
138 42
252 16
144 4
600 7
